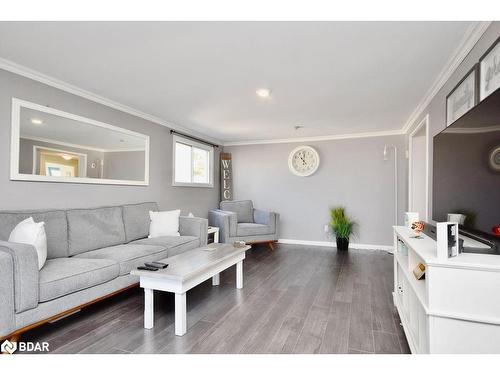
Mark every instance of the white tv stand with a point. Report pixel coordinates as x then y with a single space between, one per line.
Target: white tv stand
456 308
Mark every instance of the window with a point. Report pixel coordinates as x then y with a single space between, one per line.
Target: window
193 163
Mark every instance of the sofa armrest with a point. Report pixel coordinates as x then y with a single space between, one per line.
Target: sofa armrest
7 312
226 221
25 272
194 226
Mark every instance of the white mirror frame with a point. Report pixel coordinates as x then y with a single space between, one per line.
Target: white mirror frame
17 104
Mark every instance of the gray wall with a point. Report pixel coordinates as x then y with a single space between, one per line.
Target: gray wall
352 173
437 107
21 195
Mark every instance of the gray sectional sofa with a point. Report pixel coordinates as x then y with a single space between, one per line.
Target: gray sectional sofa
90 255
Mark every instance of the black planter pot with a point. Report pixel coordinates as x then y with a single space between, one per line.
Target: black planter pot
342 244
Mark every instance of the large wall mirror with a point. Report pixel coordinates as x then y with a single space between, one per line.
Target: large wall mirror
56 146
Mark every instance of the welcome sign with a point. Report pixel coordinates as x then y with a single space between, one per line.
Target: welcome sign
226 177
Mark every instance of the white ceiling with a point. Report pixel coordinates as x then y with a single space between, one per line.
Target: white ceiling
331 77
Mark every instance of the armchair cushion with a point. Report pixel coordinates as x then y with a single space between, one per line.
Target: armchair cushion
243 210
252 229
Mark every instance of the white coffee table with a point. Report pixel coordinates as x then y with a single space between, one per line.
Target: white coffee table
184 272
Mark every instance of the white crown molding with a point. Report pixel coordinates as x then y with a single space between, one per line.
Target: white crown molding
24 71
316 139
469 40
333 244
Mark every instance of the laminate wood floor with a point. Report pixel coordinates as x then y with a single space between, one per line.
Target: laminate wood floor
296 299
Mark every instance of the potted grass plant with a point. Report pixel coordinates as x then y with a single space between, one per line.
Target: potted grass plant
342 227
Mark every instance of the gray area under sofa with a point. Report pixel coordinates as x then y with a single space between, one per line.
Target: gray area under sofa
90 253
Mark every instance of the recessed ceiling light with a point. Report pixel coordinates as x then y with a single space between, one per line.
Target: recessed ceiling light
36 121
263 93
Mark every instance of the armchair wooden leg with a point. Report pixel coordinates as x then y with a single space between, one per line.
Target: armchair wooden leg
271 245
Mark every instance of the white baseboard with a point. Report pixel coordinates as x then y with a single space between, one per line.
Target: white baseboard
361 246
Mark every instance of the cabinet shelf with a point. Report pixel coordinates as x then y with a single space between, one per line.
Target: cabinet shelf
418 286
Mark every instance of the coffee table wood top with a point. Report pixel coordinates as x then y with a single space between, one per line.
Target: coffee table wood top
184 266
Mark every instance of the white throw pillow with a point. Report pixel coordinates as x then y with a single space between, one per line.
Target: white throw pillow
164 223
31 233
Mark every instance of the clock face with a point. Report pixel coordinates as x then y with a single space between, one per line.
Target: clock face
303 161
495 159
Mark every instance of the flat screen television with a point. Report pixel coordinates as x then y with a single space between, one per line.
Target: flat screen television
466 175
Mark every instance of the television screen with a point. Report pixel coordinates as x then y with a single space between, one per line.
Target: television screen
466 169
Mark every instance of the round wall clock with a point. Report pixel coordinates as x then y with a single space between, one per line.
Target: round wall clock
495 159
303 161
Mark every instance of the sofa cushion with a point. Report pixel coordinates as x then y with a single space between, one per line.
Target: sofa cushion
128 256
166 241
136 220
56 228
174 244
95 228
243 209
251 229
63 276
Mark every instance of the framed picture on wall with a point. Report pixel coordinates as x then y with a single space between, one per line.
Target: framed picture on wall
464 96
490 70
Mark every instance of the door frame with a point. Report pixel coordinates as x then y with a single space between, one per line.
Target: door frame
421 124
82 166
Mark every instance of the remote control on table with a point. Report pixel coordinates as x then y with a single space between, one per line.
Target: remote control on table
146 268
156 265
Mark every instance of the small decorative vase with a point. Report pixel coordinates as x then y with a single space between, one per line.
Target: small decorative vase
496 230
342 244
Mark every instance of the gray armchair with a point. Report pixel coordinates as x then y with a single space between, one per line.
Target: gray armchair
239 221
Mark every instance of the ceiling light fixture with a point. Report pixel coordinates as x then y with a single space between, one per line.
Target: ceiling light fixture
36 121
263 93
66 157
